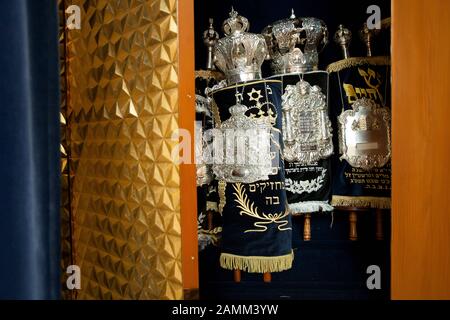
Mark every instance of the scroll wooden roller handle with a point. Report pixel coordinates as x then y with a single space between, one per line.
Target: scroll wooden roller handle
379 234
210 220
237 275
353 235
307 227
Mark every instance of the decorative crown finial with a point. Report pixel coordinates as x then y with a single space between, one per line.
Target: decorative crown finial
210 37
343 37
235 23
292 14
239 54
367 34
295 43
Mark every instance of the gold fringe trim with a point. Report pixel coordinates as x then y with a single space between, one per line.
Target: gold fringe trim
215 111
358 61
361 202
256 264
209 74
211 206
222 198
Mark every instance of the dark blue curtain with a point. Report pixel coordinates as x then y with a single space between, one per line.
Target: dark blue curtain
29 150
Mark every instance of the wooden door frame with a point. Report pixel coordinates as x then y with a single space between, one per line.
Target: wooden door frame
418 270
420 240
188 187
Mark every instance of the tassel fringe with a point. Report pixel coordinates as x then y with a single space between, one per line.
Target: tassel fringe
211 206
361 202
255 264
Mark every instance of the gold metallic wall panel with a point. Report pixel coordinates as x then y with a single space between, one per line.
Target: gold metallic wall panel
65 211
123 104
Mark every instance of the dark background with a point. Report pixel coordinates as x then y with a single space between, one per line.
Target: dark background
329 266
351 13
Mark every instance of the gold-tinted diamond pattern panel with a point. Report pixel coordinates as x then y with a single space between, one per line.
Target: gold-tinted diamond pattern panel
65 210
123 102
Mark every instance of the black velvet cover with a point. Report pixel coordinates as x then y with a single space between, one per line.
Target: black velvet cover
266 232
321 169
368 184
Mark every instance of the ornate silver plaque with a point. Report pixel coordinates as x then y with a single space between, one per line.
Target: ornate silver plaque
364 135
204 171
306 127
242 148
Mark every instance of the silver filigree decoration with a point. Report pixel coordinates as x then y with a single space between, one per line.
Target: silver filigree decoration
306 186
242 148
365 135
222 84
204 170
306 127
294 44
240 54
202 105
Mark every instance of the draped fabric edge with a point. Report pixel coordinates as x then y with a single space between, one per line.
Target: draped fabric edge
361 202
257 264
309 207
358 61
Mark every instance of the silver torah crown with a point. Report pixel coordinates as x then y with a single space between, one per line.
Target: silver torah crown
243 153
294 44
239 55
210 37
307 129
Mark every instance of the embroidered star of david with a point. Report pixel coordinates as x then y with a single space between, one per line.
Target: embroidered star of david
255 95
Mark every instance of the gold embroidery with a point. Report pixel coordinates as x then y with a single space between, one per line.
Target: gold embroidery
357 62
361 202
222 197
248 208
368 76
215 111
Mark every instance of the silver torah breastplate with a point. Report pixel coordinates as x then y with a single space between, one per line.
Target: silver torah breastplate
364 135
307 129
242 148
